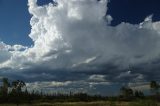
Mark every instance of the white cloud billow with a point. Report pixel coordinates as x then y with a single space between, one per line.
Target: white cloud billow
79 26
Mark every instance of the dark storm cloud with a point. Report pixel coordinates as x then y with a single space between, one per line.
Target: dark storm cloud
113 73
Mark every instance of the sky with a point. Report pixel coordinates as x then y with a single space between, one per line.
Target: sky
88 46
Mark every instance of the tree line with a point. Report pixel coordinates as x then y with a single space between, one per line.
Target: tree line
16 92
128 94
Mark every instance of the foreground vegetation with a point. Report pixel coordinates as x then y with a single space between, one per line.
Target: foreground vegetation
14 95
98 103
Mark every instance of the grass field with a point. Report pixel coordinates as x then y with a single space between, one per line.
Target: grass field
108 103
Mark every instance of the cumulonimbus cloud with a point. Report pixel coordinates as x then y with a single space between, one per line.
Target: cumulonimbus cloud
76 35
78 30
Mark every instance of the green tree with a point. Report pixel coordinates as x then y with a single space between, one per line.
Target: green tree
154 86
17 90
138 94
17 86
4 87
126 92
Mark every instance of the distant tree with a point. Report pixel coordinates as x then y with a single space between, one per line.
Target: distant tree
141 94
4 87
138 94
123 91
4 90
17 90
129 92
126 92
154 86
17 86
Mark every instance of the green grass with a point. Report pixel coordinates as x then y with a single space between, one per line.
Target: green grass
107 103
68 104
144 103
74 104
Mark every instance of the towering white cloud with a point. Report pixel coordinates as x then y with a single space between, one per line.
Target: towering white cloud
78 30
60 30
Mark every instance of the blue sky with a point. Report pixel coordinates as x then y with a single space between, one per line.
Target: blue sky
15 21
73 47
133 11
